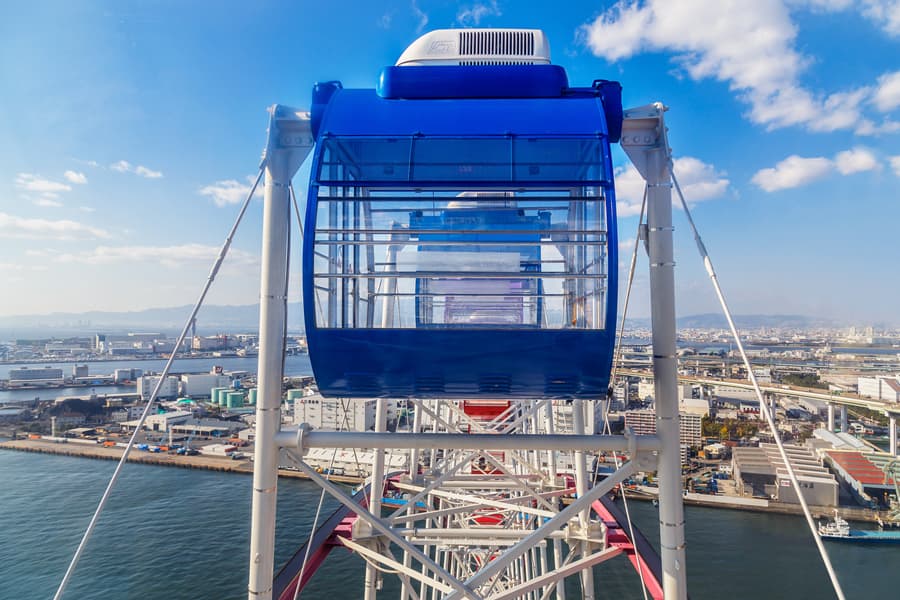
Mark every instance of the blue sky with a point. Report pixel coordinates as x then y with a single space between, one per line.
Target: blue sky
128 132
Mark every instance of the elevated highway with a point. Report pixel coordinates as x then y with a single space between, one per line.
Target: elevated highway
843 400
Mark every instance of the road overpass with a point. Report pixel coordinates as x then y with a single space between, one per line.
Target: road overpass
843 400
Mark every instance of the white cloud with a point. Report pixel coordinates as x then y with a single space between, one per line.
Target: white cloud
87 209
792 172
472 15
421 15
228 191
796 171
752 50
24 228
46 202
823 5
123 166
885 13
148 173
75 177
33 183
169 256
856 160
887 94
698 180
895 164
40 253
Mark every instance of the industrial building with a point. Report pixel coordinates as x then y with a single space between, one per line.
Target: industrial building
24 376
200 384
643 422
169 388
161 421
868 475
880 387
760 471
334 414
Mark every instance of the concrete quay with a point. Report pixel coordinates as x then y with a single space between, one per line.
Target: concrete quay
209 463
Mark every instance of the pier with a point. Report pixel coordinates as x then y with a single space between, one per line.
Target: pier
208 463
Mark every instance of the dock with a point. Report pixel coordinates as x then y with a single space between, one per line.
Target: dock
205 462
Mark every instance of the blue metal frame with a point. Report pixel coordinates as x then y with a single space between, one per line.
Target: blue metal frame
478 361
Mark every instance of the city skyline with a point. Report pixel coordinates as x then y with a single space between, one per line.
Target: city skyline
130 139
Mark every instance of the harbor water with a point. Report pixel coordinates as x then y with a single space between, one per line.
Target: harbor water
173 534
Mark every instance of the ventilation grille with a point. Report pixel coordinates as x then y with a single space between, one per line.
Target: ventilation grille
496 43
469 63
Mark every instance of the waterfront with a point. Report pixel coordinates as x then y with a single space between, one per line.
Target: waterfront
294 366
178 533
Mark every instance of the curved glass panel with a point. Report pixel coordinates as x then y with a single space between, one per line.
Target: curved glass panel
429 233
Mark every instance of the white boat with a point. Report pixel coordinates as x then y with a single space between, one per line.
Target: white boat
838 528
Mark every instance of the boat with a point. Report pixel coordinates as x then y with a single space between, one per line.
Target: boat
839 530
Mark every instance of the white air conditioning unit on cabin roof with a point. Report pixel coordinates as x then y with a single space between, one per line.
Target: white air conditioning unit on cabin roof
478 47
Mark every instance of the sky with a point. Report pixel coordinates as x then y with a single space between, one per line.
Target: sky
130 132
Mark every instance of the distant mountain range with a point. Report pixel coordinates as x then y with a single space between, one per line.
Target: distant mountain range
210 320
245 318
717 321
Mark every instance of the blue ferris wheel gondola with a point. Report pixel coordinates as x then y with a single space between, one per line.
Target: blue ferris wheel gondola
461 235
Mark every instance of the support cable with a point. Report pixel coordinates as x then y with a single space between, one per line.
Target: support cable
223 252
612 380
770 419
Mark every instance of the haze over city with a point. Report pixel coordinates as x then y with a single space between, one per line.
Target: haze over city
128 143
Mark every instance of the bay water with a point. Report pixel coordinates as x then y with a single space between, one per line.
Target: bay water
171 533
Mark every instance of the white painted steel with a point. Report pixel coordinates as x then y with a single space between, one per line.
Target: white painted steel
495 566
289 143
892 434
644 140
461 441
581 487
377 490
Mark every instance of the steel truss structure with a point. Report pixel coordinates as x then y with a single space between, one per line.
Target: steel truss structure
484 519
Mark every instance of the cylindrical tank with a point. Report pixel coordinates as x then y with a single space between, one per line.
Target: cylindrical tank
252 397
213 395
234 400
219 395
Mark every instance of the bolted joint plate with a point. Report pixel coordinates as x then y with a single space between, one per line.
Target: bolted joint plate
594 533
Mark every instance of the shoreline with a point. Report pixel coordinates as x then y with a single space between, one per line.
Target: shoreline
245 467
203 462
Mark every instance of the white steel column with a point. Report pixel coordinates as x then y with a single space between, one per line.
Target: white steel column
549 430
377 489
644 140
892 433
581 487
831 417
288 145
845 426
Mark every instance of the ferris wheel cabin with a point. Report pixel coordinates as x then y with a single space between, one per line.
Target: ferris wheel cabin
460 229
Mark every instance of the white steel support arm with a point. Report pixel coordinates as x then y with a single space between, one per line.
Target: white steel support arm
645 141
290 142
